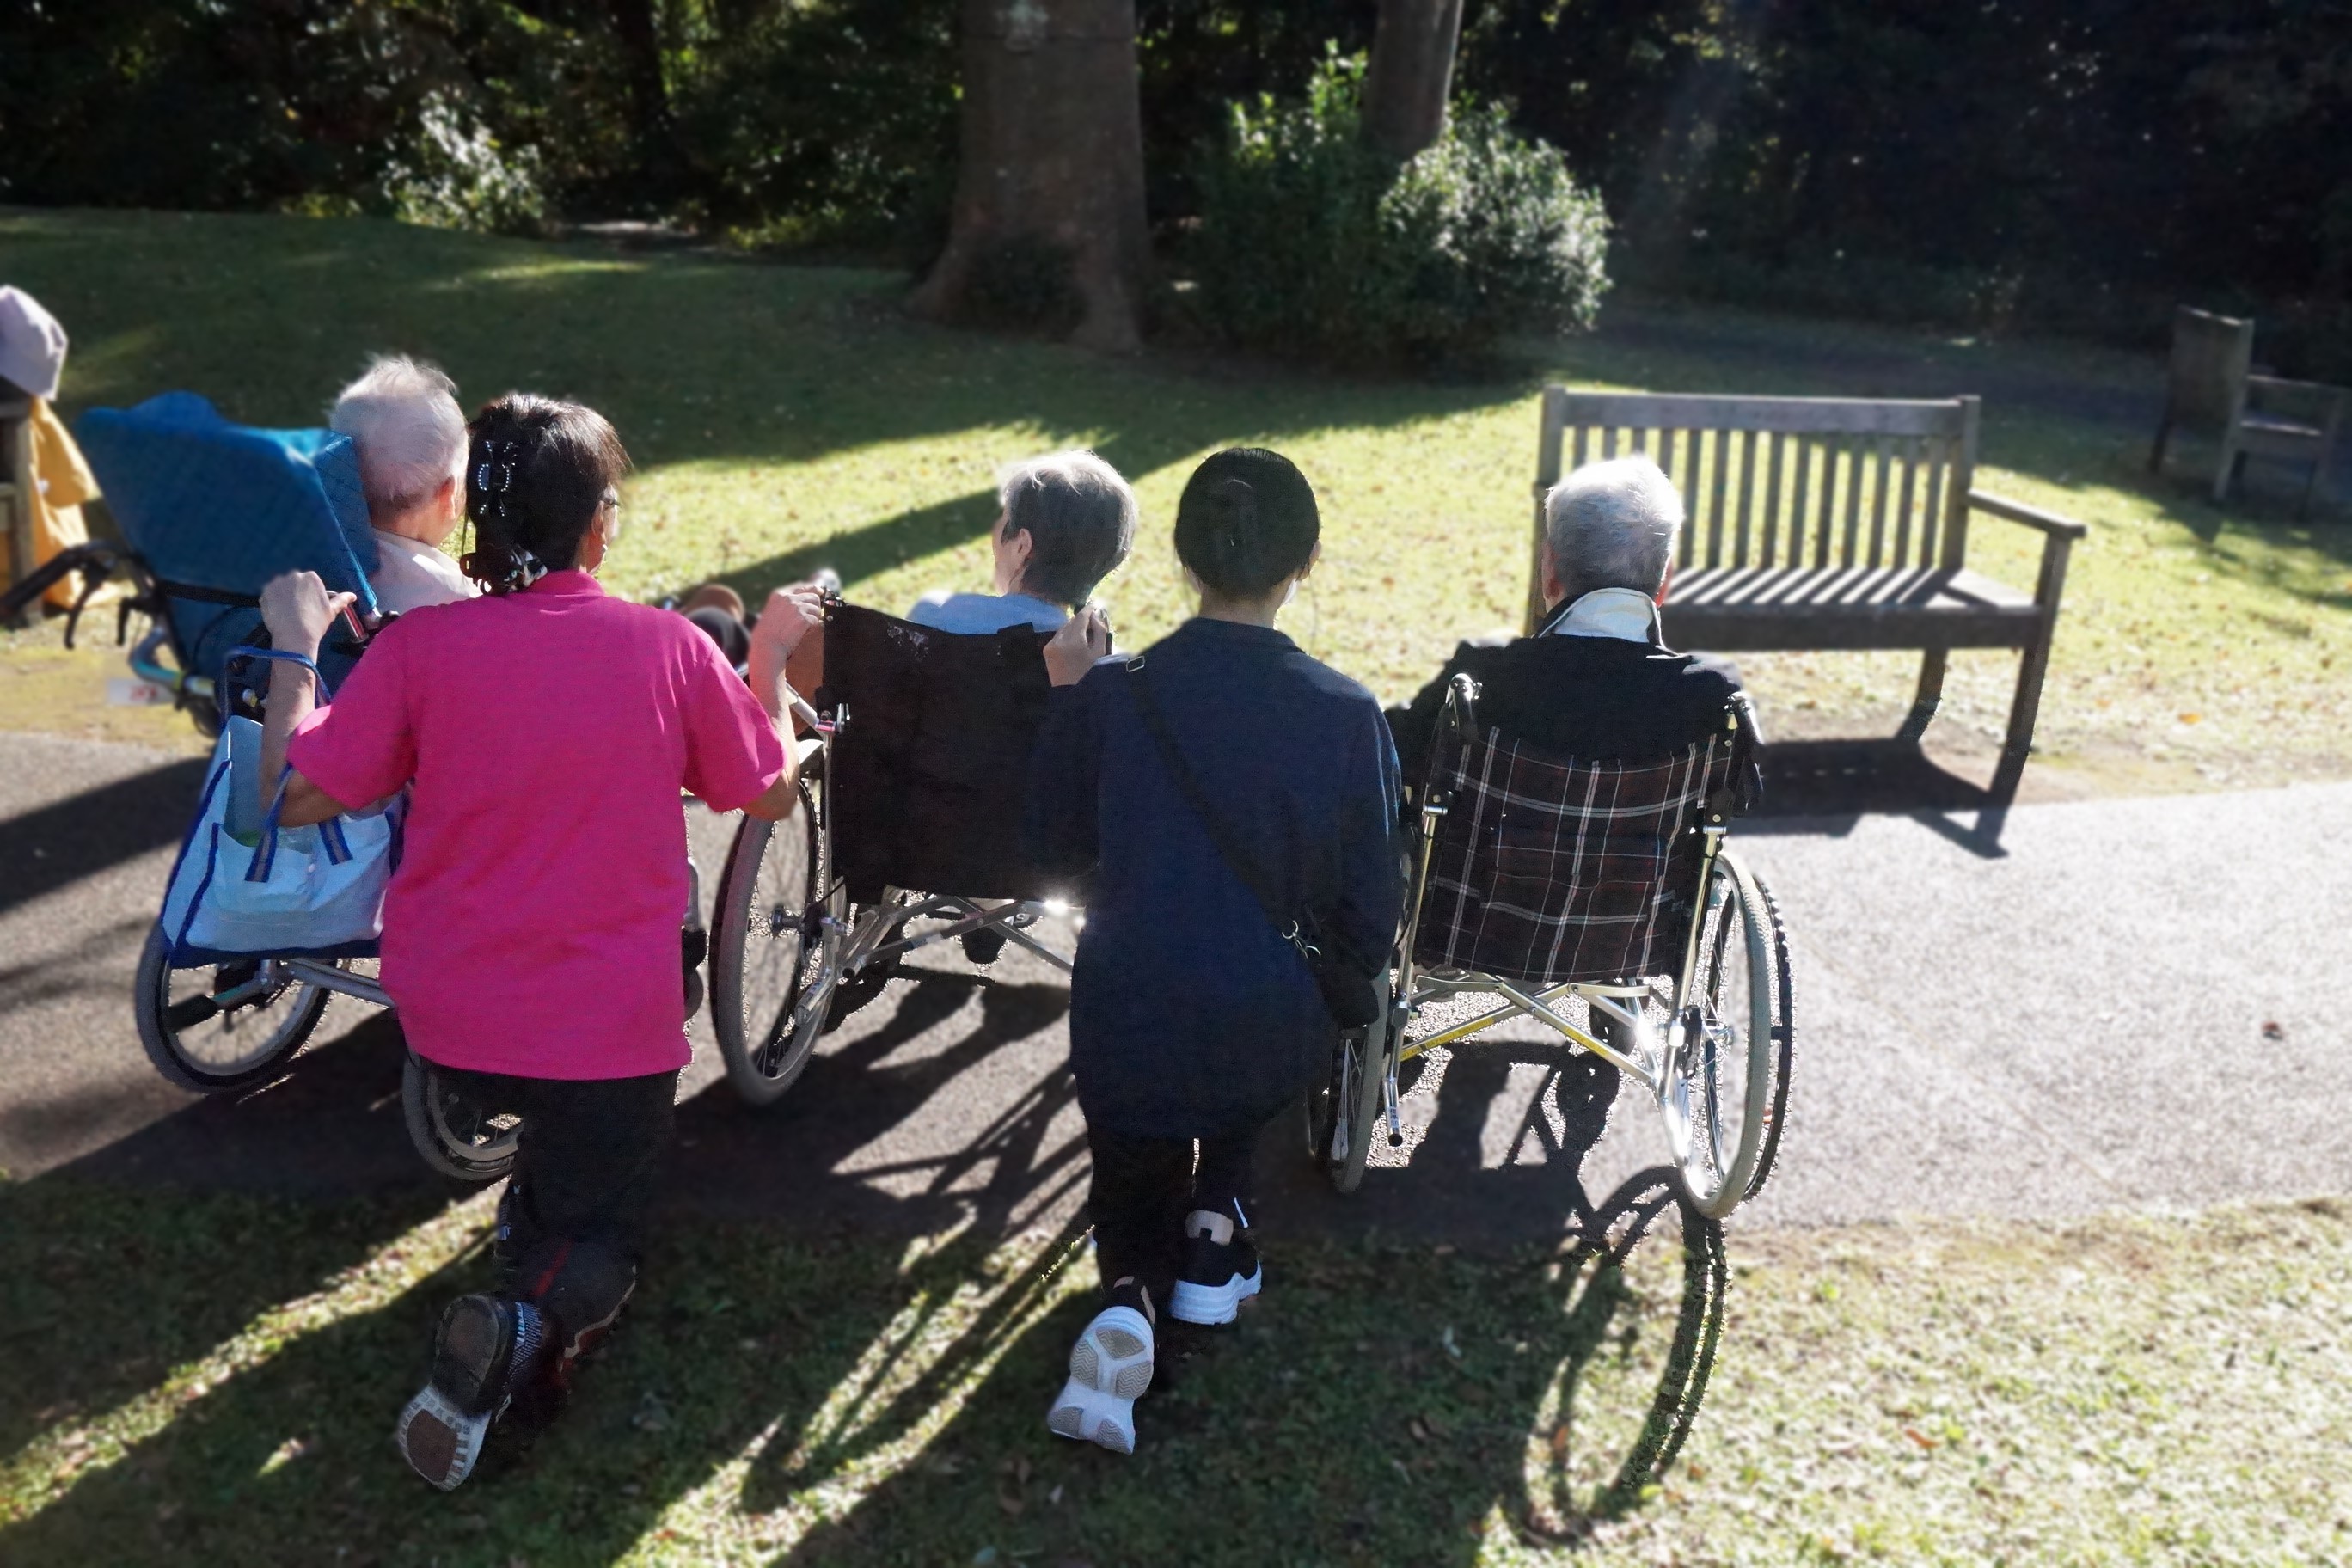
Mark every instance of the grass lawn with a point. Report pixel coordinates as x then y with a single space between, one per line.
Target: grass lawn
787 417
2153 1390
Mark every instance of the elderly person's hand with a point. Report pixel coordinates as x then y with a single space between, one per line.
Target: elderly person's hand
788 615
297 609
1072 651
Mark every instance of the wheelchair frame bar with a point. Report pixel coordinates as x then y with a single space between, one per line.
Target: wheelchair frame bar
970 917
1520 1003
327 977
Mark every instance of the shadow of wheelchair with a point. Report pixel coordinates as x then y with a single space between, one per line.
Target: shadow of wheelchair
1604 1451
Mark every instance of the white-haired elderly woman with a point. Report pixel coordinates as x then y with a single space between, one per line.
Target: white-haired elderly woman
1596 679
402 417
1064 522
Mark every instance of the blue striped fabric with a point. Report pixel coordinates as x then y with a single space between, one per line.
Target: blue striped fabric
216 505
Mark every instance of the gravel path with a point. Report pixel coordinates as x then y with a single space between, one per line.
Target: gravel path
2126 1005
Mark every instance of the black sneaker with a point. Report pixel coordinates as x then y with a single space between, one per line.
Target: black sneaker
485 1347
1221 1269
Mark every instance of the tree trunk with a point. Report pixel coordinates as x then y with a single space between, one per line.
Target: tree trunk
1411 73
1051 152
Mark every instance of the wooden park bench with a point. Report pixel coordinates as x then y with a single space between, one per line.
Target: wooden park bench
1828 524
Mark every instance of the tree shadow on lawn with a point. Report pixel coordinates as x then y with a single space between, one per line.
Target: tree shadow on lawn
873 1364
693 358
831 1341
114 1269
1383 1402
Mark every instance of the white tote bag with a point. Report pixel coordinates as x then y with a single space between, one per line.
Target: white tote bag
281 891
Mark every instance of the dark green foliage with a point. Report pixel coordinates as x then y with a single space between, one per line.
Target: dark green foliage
1313 245
2080 165
2076 164
289 104
832 123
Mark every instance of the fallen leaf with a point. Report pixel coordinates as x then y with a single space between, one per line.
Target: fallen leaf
1918 1437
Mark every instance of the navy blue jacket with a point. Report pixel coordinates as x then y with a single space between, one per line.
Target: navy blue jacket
1190 1016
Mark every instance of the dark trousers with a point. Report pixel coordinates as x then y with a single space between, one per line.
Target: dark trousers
1143 1189
571 1224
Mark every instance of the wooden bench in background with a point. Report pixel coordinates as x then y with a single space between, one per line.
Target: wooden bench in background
1826 524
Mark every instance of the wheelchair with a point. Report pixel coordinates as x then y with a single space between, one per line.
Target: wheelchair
208 511
912 779
1600 901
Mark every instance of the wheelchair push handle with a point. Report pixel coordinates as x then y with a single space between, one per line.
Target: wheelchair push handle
1461 703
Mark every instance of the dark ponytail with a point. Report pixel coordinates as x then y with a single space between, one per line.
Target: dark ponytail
1247 520
538 471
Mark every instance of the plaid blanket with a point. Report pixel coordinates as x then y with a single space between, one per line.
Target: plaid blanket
1548 869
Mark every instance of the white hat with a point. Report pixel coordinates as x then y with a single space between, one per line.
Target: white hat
32 344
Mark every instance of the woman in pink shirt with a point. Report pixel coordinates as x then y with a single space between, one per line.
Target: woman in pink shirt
530 932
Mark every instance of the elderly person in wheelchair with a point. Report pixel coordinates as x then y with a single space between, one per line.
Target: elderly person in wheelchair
1574 789
915 758
403 418
1595 678
1064 522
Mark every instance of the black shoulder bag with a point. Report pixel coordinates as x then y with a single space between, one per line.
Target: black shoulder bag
1350 985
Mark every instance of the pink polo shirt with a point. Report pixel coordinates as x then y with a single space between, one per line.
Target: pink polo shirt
531 927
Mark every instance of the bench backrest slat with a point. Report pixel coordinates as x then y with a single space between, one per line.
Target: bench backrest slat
1833 482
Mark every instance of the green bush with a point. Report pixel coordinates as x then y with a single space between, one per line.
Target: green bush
1312 245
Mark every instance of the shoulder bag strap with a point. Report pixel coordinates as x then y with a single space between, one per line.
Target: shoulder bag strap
1188 785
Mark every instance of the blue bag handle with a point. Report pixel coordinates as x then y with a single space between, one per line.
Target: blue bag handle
331 832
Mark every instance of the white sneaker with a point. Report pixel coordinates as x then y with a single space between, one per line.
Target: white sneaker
1109 1366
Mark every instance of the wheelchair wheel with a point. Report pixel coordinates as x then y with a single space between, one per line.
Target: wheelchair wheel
1726 1084
216 1029
771 945
458 1134
1345 1113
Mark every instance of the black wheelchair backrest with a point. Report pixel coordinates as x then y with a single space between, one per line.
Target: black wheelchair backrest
930 757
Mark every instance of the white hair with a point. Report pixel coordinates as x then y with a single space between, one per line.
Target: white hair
1613 525
404 418
1080 519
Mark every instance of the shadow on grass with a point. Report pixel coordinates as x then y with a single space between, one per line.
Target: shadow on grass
1384 1404
104 1285
831 1342
865 1382
693 357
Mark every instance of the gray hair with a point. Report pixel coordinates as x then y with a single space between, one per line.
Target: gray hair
1079 516
404 418
1613 525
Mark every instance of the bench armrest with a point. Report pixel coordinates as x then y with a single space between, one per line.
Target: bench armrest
2049 522
2313 400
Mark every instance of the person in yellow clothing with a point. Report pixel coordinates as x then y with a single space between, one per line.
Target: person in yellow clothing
53 480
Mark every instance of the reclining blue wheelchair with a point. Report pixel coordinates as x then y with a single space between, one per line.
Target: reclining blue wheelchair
209 511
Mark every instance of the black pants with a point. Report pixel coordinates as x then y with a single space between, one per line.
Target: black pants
1143 1188
571 1226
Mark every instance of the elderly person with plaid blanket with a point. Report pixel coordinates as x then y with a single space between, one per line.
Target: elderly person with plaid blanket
1596 680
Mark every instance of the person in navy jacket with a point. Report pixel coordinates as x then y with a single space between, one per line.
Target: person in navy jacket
1193 1022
